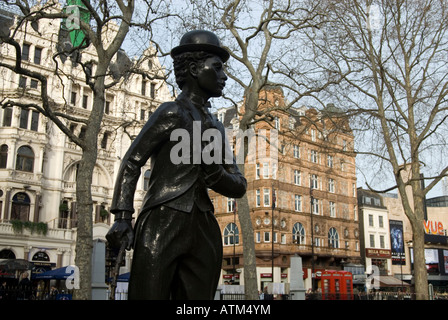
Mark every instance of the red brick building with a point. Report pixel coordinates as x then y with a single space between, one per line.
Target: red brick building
315 151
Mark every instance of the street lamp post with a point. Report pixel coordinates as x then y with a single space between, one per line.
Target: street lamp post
312 235
272 223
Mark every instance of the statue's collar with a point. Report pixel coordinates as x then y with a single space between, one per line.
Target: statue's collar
197 101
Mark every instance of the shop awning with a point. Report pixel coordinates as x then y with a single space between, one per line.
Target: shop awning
389 281
15 264
58 274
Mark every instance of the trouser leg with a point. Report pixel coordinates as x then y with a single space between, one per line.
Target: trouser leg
177 255
198 272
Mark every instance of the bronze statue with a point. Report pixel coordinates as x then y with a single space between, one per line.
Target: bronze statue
177 240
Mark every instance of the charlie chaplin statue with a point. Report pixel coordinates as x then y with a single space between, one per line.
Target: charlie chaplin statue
176 238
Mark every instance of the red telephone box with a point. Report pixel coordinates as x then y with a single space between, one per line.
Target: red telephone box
337 285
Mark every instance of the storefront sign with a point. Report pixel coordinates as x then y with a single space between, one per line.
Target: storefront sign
378 253
434 227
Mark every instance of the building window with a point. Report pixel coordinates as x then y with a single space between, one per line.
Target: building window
230 204
267 236
333 238
331 185
107 107
332 209
146 178
104 140
382 242
298 233
25 159
7 117
316 204
380 222
143 89
22 82
73 98
23 123
258 198
277 123
26 52
34 83
258 237
296 151
297 203
313 135
231 235
153 90
297 177
266 197
330 161
34 121
37 55
372 241
20 208
314 181
3 156
257 171
370 220
314 156
85 100
266 170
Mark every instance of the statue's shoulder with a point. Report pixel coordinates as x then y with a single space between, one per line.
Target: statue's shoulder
169 109
169 106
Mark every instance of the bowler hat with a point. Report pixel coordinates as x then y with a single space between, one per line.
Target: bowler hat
201 40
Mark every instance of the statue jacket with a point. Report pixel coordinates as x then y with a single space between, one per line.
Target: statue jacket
173 184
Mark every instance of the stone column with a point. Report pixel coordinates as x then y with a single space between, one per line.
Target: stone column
297 287
99 287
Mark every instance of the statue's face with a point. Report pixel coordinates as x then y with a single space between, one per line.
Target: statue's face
211 77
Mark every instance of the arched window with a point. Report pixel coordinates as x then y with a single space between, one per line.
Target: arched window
3 156
333 238
298 233
25 159
7 254
20 208
41 256
231 235
146 177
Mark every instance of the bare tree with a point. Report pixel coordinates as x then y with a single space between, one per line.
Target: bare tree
393 56
102 28
264 40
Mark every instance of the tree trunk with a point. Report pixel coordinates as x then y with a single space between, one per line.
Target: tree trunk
250 266
84 245
418 231
420 272
84 240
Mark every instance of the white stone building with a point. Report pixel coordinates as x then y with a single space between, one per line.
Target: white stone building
38 163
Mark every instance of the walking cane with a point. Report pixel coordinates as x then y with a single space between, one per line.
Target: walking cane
116 270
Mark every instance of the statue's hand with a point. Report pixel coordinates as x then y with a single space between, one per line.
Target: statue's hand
121 232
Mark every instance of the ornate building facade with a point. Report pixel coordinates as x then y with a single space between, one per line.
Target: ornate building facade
38 163
313 184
